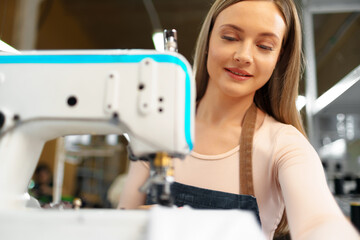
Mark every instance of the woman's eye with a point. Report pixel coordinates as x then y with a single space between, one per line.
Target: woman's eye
265 47
228 38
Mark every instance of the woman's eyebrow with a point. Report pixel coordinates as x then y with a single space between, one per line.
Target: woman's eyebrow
233 27
239 29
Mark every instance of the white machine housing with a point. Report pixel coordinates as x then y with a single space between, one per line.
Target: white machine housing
47 94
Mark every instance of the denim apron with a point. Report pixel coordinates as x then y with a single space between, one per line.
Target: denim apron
200 198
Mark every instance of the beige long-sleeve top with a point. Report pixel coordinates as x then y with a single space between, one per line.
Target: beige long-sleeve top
286 172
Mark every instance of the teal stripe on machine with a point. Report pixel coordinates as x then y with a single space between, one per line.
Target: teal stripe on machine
79 59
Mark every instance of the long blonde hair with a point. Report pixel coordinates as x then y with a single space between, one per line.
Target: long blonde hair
277 97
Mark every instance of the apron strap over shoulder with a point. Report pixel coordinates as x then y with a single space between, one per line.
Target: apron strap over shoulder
246 143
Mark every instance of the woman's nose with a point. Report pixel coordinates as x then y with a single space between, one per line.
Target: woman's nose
243 54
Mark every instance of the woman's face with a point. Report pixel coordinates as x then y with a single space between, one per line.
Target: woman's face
244 47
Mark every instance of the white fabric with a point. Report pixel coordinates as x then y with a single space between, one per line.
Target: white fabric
187 223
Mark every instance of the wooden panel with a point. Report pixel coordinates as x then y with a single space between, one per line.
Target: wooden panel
113 24
7 18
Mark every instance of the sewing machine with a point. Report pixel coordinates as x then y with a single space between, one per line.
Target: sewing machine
47 94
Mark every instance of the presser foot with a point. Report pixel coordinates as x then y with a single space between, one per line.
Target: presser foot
158 186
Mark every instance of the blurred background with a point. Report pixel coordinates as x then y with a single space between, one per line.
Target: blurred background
95 166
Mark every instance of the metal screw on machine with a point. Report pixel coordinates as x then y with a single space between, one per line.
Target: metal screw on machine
77 203
170 40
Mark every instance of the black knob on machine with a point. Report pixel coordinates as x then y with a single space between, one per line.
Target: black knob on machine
2 120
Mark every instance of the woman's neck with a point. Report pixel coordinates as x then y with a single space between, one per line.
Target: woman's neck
217 108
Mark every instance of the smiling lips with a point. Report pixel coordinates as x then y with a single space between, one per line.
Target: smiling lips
238 74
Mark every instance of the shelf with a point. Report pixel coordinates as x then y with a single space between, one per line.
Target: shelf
328 6
343 97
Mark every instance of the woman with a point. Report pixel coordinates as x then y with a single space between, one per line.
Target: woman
247 67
